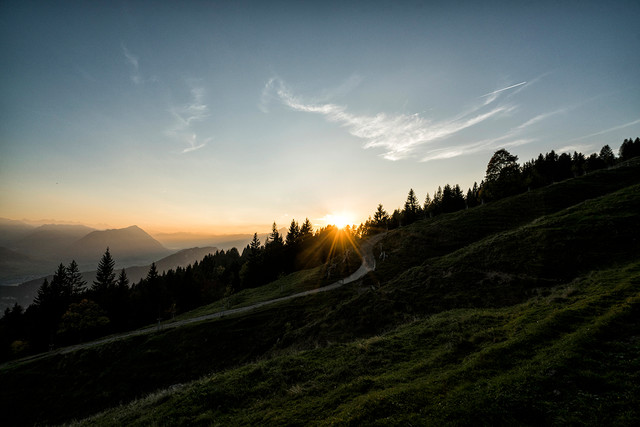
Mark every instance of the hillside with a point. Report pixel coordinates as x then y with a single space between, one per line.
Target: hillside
523 311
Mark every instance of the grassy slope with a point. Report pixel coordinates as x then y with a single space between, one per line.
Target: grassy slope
462 321
571 356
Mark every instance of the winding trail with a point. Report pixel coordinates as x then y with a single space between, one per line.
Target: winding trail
368 264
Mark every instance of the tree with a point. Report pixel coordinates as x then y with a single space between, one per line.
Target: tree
502 177
123 280
306 230
411 208
607 156
629 149
593 163
105 276
293 235
274 238
380 218
254 246
75 279
83 320
578 162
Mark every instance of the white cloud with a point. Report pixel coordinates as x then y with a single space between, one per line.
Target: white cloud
399 135
193 144
503 89
186 116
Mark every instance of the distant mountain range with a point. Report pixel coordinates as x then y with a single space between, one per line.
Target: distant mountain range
28 252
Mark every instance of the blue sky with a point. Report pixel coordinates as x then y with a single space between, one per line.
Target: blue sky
227 116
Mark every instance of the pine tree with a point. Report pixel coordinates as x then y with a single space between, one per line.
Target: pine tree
75 279
105 276
381 218
123 280
411 208
293 234
152 275
306 230
274 238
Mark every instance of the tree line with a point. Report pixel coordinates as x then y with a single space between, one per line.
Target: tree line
504 177
67 310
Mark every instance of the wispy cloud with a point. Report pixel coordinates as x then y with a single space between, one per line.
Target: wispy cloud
185 118
193 143
503 89
635 122
399 135
132 60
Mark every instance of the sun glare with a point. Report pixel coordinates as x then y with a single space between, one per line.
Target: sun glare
340 220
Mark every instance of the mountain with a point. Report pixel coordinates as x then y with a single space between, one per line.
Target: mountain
129 245
12 230
49 240
15 266
35 251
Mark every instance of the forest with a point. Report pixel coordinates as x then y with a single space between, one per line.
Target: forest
67 310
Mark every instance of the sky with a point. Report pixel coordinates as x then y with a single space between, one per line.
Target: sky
224 117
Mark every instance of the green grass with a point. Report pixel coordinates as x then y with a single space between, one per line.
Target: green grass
290 284
525 311
565 358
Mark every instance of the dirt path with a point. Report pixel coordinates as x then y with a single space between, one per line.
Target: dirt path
368 264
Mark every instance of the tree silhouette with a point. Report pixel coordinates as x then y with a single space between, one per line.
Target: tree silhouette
105 276
306 230
629 149
75 279
411 208
502 177
293 234
607 156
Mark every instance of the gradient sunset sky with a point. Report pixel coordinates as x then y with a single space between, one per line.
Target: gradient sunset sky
227 116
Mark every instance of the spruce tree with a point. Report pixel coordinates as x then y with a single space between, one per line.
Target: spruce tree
75 279
411 208
105 276
123 280
381 217
306 229
293 235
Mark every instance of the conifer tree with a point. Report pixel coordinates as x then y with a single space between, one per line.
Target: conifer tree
152 275
411 208
381 218
293 234
123 280
306 229
274 238
75 279
105 276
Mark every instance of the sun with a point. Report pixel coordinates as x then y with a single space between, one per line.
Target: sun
340 220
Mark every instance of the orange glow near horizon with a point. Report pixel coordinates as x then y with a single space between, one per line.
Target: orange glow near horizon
340 220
